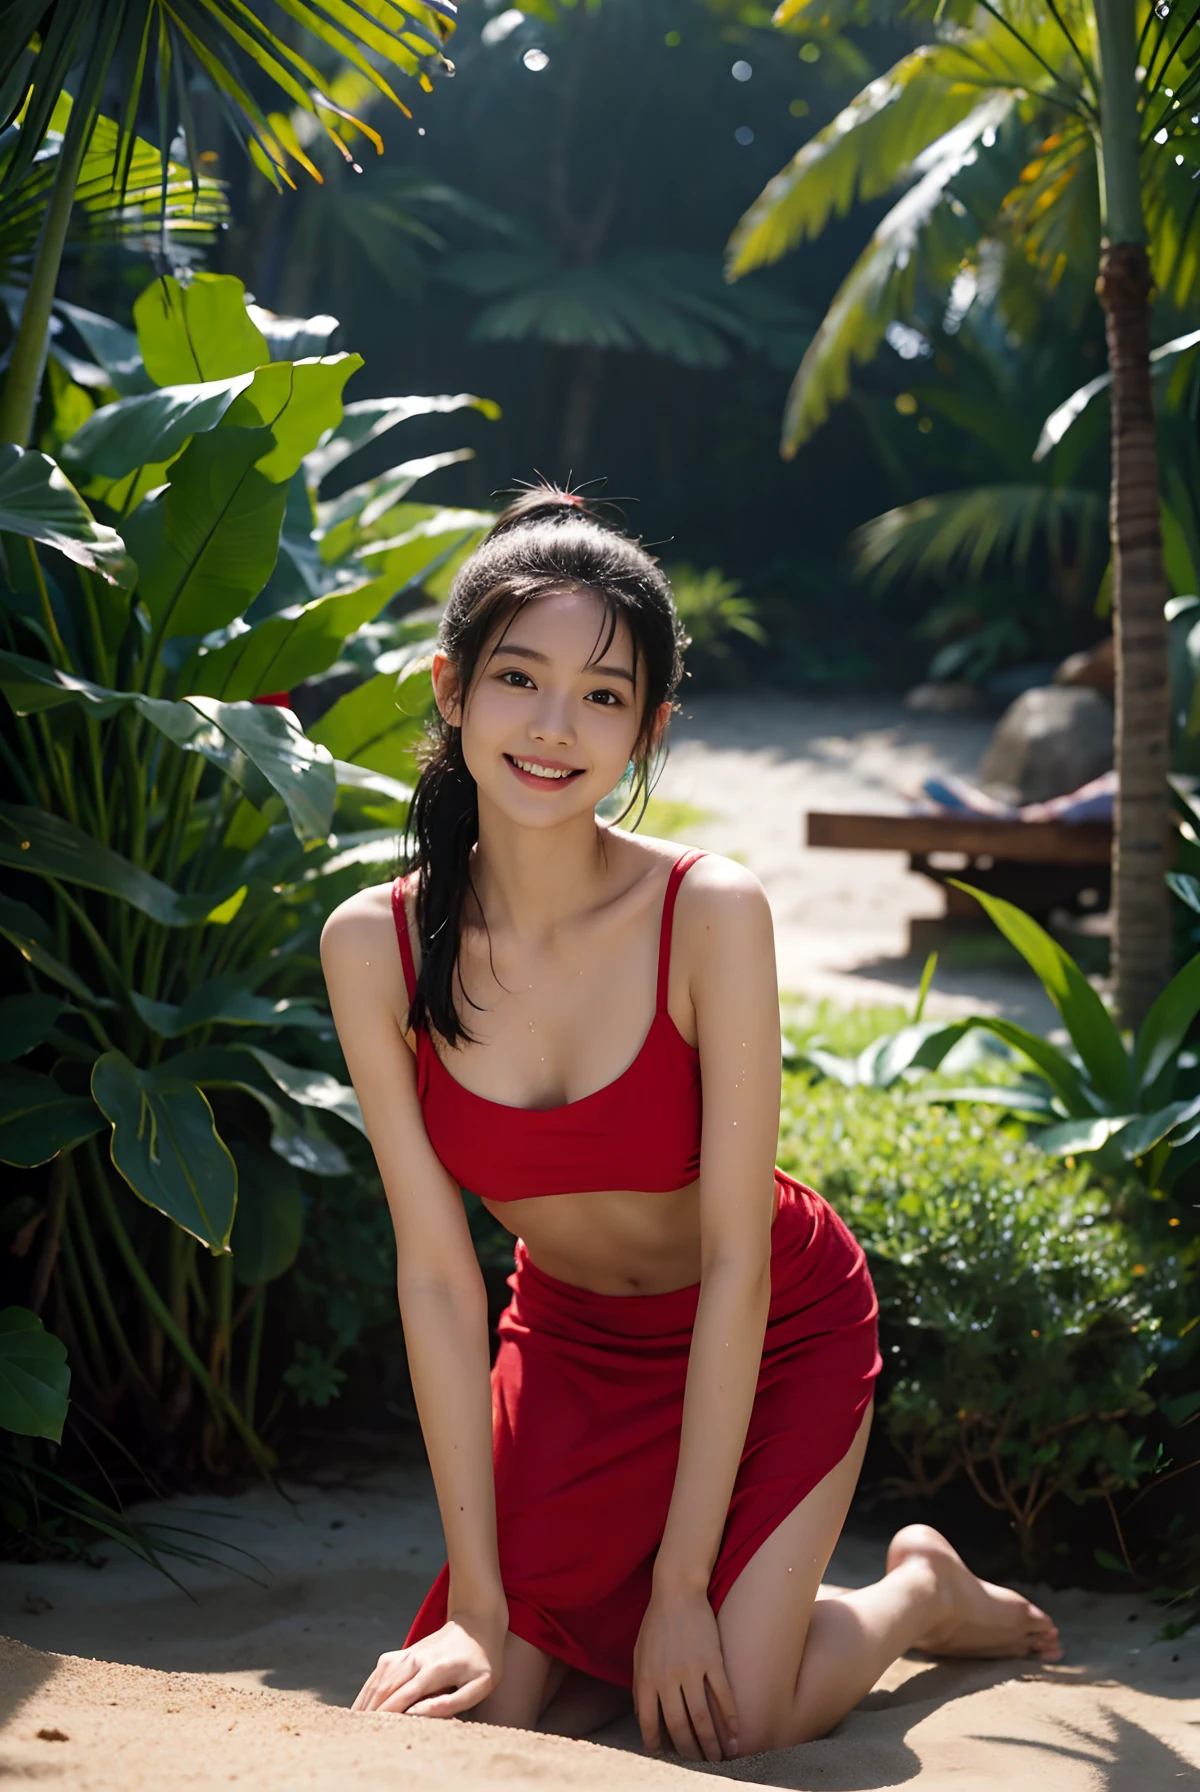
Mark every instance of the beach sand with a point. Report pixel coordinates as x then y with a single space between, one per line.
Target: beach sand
116 1681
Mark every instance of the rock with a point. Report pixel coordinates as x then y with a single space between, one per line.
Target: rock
944 699
1095 668
1048 742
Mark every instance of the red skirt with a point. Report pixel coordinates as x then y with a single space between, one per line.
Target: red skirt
587 1402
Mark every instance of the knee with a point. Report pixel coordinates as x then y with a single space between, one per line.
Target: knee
764 1712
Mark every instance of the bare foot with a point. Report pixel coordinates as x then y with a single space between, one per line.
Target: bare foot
980 1619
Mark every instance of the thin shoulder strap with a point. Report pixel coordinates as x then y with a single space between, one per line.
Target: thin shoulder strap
400 916
679 871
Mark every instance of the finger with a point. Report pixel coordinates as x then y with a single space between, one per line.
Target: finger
366 1698
645 1703
696 1701
720 1695
675 1716
394 1684
450 1704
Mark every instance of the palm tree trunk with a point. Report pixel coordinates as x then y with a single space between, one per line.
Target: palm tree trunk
1141 917
18 403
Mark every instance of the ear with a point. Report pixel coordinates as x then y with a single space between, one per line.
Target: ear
446 689
658 725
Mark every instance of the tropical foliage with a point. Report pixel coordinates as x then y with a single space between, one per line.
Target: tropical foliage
988 130
1023 1327
173 842
123 46
1131 1106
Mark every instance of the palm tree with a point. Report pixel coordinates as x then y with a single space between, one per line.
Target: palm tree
114 51
1097 93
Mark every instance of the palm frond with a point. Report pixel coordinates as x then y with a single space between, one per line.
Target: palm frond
919 236
962 534
113 41
157 202
671 303
1061 418
870 147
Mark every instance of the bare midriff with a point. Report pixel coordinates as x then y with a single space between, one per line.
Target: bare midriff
616 1241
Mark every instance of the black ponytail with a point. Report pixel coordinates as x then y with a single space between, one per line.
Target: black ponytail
547 539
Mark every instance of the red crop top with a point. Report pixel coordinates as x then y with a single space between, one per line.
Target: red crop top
641 1131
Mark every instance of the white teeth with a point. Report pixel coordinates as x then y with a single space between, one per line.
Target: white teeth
540 771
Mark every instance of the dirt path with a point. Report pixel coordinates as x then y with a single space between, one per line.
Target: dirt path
756 765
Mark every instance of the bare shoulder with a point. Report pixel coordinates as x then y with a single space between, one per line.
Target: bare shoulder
720 895
361 930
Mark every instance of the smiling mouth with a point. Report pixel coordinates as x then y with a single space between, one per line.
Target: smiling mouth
533 772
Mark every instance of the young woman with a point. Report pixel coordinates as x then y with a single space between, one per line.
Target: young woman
646 1495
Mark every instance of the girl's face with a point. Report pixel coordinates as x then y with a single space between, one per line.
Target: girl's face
550 722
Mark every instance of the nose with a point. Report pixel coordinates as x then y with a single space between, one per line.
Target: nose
552 722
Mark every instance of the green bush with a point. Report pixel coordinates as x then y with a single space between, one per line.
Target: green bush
1019 1326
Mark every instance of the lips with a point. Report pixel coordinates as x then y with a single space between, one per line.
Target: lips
539 780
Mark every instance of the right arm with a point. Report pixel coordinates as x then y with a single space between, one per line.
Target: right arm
443 1305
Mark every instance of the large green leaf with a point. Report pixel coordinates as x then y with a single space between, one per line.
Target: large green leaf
1166 1026
366 419
227 1002
198 332
1054 1065
37 1120
34 1377
312 1088
47 846
299 402
25 1021
406 558
998 1095
367 727
298 769
1092 1029
283 651
261 747
166 1145
299 1142
38 501
25 929
151 428
1074 1138
270 1217
1148 1130
206 546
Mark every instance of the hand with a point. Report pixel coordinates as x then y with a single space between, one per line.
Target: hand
441 1676
678 1669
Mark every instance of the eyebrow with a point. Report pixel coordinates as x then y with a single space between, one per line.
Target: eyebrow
531 653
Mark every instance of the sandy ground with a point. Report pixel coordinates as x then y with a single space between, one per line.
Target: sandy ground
247 1681
757 765
117 1680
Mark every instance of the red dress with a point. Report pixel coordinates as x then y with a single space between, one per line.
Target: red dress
587 1389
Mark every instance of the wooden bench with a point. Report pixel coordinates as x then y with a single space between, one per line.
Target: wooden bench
1039 865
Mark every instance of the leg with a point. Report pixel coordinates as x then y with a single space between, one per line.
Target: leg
528 1684
537 1692
797 1664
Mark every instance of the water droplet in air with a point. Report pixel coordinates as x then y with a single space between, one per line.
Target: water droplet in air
535 61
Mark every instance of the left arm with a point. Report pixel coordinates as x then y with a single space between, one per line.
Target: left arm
727 922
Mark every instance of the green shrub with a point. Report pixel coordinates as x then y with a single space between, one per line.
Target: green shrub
1019 1328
